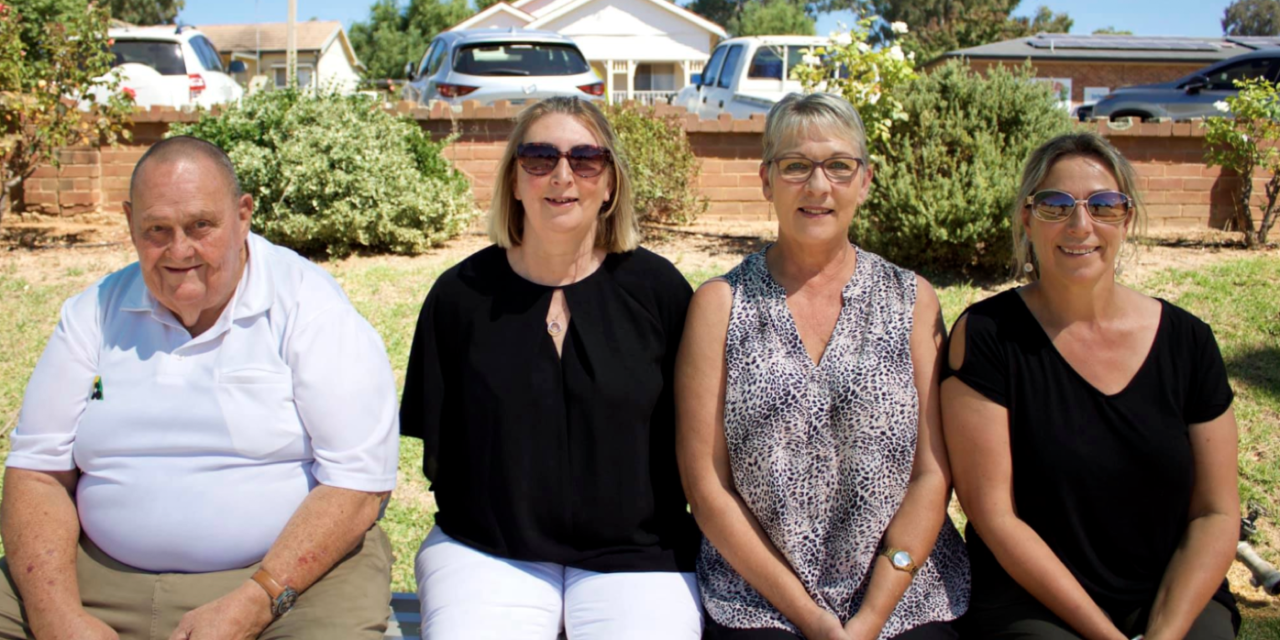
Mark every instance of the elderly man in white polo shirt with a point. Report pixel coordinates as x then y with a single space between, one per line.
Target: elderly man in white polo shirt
207 441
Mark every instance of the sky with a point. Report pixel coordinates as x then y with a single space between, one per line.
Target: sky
1143 17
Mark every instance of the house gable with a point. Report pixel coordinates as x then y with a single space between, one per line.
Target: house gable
630 29
500 15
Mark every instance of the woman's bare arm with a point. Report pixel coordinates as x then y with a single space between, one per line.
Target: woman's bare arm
1207 548
977 436
708 481
919 519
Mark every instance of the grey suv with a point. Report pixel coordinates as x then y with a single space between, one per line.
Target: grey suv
501 64
1189 97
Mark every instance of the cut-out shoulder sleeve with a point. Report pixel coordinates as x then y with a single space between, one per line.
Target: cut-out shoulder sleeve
983 362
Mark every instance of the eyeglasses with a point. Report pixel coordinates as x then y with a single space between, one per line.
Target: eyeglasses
541 158
1107 207
798 169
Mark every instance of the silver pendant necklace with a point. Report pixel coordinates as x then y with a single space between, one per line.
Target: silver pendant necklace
554 327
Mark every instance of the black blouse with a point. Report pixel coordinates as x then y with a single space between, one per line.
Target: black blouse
1105 480
565 458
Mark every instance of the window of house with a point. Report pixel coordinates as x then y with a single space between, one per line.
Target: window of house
282 76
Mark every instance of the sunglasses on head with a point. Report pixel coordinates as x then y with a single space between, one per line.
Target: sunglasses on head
1109 207
541 158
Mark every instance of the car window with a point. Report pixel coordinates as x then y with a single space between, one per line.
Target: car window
426 58
164 57
766 63
712 69
520 59
730 66
207 53
1223 79
437 57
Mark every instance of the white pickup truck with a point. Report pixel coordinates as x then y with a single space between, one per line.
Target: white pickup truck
747 75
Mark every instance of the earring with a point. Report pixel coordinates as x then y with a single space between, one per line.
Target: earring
1027 267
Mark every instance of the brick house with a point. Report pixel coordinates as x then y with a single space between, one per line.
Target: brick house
1084 68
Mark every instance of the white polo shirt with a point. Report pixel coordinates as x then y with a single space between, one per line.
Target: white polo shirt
196 452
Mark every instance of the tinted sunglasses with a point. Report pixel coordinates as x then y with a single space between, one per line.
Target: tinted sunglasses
1108 207
541 158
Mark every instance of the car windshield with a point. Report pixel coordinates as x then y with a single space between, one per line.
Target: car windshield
164 57
520 59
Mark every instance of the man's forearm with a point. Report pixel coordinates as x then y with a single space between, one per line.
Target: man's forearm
324 529
41 529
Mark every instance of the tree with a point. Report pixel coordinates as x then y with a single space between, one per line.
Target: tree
771 17
146 11
394 36
1111 31
939 26
1245 143
1252 18
53 57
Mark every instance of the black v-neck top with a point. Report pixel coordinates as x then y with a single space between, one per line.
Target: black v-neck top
1105 480
565 458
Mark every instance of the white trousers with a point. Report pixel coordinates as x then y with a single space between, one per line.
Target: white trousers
471 595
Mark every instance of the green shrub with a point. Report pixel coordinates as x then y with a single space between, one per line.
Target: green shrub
664 171
950 170
333 174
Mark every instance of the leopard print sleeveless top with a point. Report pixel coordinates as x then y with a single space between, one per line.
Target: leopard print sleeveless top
821 454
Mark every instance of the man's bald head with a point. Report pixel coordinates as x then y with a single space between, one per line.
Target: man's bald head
186 148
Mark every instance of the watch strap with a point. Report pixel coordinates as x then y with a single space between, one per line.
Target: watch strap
268 584
888 552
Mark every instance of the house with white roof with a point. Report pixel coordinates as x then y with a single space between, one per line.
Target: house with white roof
645 50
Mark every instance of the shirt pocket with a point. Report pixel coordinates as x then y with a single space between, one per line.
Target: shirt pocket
261 417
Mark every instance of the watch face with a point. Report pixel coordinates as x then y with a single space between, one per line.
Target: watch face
285 602
901 560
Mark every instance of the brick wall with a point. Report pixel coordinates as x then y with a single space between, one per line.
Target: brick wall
1099 74
1179 189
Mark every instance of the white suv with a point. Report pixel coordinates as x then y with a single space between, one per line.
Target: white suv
172 67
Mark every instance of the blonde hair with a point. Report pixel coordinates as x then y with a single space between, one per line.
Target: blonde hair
1087 144
825 112
616 231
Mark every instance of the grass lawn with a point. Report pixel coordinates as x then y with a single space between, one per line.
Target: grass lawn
1238 297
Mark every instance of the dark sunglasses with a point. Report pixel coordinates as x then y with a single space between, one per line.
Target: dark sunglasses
541 158
1108 207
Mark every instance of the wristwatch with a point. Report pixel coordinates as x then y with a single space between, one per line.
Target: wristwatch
900 559
282 598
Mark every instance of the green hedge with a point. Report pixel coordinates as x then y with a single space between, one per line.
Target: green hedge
946 180
664 171
333 174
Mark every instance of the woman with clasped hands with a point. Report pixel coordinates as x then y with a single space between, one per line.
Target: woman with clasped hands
540 383
807 413
1090 430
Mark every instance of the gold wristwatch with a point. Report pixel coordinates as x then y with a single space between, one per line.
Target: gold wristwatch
900 559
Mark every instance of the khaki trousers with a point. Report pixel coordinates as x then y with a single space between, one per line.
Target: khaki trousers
350 602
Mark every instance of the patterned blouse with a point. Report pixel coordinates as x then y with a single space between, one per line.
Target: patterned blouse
822 454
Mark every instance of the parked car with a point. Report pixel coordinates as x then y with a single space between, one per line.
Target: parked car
520 65
172 67
1189 97
746 75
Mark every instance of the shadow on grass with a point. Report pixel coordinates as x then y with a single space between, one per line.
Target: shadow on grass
1259 368
34 237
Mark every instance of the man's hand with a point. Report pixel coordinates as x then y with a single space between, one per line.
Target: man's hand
239 615
76 625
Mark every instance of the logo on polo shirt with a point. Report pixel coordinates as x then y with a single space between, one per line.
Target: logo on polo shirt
97 388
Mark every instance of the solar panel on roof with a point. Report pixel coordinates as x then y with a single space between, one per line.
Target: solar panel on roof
1256 42
1128 43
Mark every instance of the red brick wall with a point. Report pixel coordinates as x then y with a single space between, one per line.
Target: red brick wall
1099 74
1179 189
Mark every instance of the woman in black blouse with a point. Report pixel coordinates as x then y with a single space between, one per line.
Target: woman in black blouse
540 383
1090 432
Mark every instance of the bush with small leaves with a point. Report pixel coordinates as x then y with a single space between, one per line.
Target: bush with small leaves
663 169
333 174
1246 142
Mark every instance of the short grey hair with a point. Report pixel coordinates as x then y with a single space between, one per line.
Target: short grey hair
179 147
1087 144
829 113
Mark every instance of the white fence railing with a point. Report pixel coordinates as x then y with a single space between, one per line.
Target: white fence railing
643 97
